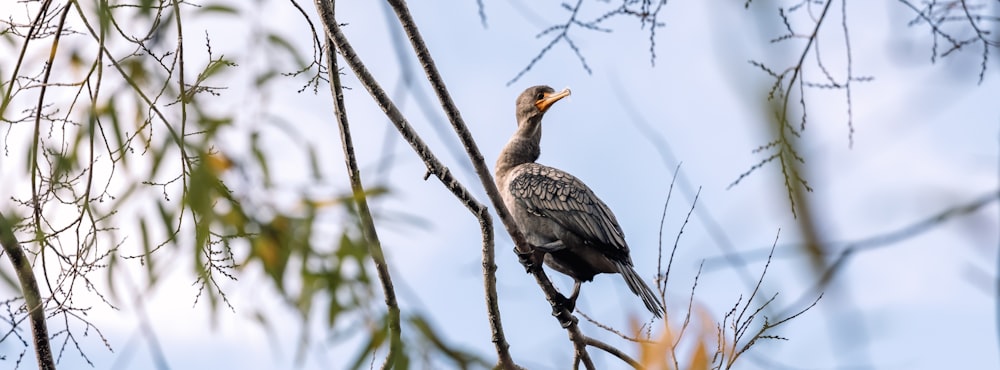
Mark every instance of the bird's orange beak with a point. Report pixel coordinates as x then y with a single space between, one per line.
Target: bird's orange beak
544 103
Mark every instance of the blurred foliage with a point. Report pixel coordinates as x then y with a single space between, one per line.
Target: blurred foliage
119 159
661 351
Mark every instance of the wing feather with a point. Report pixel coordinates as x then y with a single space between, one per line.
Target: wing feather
559 196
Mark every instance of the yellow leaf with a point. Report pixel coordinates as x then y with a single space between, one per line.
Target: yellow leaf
266 249
699 360
218 162
653 355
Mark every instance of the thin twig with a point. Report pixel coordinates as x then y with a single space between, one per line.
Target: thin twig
612 330
28 37
36 143
677 239
563 35
613 351
786 155
981 35
687 317
662 145
850 75
661 283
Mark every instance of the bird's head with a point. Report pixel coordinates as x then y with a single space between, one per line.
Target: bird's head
534 101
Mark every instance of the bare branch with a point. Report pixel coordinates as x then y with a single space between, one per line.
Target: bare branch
687 316
562 35
891 238
32 295
482 12
367 222
981 35
661 281
850 249
677 240
936 15
739 323
643 10
792 81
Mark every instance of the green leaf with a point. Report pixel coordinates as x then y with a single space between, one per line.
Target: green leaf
214 67
263 78
116 128
462 359
147 249
260 157
313 162
218 8
166 216
282 43
377 337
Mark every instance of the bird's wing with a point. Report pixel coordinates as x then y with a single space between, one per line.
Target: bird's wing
557 195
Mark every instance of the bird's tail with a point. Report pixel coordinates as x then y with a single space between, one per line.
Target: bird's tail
640 289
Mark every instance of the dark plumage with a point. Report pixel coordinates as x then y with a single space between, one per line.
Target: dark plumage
557 212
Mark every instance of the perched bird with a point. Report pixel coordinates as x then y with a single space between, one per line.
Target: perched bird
558 214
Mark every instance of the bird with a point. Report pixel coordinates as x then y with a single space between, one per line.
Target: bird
559 215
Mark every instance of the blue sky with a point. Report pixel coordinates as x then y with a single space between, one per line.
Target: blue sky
926 138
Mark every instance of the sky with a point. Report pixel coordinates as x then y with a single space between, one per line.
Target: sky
925 139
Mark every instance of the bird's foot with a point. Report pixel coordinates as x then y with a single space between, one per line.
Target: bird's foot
561 305
562 302
530 260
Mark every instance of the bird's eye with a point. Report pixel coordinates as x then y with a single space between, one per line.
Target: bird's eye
539 96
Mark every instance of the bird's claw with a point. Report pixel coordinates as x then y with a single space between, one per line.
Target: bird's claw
562 304
529 260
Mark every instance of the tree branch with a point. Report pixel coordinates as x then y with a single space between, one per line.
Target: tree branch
828 274
367 223
32 296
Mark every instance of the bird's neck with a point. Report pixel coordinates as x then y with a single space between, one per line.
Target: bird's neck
523 147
